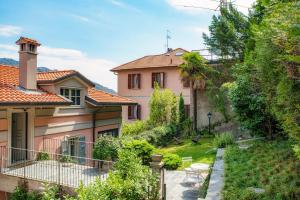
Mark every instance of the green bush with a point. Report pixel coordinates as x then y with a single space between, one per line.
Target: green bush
130 180
142 149
134 128
66 159
224 139
51 192
43 156
296 149
106 148
172 161
20 193
159 136
163 106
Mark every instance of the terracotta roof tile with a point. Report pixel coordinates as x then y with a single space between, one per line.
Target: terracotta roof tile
99 97
53 75
27 40
11 94
169 59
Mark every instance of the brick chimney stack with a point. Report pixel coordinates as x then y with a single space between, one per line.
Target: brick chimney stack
27 63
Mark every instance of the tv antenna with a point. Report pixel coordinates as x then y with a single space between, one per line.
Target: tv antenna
168 37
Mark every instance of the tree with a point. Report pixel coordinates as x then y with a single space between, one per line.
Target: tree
142 148
277 60
272 72
163 107
229 33
106 148
247 101
182 115
194 70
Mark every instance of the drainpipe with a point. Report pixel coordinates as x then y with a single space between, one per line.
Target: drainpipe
94 124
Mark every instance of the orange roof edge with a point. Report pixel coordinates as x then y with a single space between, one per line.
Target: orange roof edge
136 65
99 98
27 40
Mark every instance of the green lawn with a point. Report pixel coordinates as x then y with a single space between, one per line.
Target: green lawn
203 152
271 166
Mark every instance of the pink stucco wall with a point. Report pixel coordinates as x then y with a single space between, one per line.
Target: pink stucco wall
142 96
52 143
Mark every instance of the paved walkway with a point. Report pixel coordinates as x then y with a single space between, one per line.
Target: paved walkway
216 182
54 172
179 187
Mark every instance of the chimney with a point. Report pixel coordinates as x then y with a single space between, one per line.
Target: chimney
27 63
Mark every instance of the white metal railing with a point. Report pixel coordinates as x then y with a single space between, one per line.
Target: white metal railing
61 169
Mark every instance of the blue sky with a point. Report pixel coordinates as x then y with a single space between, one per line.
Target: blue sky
93 36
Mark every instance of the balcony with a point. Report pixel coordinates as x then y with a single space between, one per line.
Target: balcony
50 167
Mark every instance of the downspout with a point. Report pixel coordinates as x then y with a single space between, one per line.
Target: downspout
94 125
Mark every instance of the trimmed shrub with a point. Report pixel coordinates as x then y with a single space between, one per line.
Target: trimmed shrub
142 149
134 128
106 148
224 139
43 156
158 136
66 159
172 161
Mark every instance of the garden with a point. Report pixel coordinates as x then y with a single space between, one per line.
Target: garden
265 170
258 81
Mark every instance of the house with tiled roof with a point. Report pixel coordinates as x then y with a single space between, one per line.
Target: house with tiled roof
56 112
136 81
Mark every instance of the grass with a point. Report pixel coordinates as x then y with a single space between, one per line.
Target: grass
203 152
271 166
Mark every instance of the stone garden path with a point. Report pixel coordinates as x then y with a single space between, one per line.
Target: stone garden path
178 187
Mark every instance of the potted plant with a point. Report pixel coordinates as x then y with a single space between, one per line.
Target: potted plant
66 160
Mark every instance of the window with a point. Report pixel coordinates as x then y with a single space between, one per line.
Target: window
159 78
72 94
134 112
134 81
110 132
187 110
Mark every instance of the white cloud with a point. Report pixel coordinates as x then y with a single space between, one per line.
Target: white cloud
200 30
95 69
8 47
81 18
202 6
125 5
9 30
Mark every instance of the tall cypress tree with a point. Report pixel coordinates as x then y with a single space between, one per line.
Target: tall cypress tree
182 116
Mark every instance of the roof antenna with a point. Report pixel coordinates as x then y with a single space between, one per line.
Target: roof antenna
168 36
